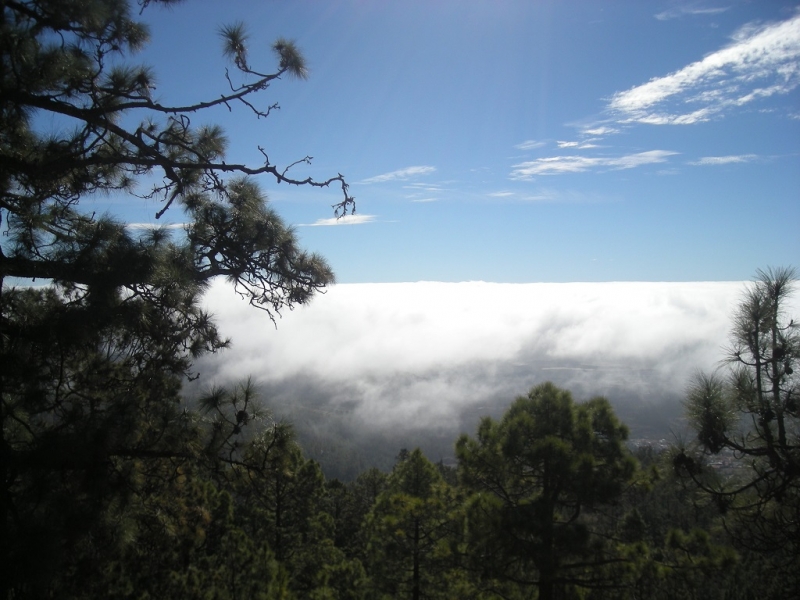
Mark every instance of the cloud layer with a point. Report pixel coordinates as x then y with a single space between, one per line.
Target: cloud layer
430 353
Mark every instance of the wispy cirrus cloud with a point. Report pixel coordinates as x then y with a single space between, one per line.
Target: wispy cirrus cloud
577 145
600 131
724 160
682 11
529 145
424 192
557 165
400 174
423 187
345 220
561 195
551 196
155 225
761 62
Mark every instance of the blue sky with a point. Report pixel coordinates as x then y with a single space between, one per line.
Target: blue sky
519 141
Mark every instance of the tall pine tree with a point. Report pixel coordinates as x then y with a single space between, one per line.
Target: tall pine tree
536 475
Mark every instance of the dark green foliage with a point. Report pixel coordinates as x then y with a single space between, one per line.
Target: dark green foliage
90 413
539 475
411 532
94 431
189 547
349 504
675 541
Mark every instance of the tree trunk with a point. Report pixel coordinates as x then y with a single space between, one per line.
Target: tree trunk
415 591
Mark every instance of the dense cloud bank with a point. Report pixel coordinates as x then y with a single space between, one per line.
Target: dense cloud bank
436 356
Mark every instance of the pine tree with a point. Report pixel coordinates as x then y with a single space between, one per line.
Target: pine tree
92 363
750 412
536 475
411 529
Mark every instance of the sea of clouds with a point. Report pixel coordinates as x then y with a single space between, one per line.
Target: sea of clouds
432 354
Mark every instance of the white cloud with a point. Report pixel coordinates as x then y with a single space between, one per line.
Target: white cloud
724 160
577 145
345 220
529 145
426 350
762 61
642 158
423 187
424 192
676 13
155 225
543 196
501 194
566 196
400 174
556 165
599 131
698 116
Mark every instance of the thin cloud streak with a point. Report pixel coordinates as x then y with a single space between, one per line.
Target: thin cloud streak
529 145
724 160
762 61
600 131
577 145
344 220
557 165
683 11
565 196
423 187
155 226
400 174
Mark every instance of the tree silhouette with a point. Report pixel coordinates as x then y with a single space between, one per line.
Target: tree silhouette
749 410
91 364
